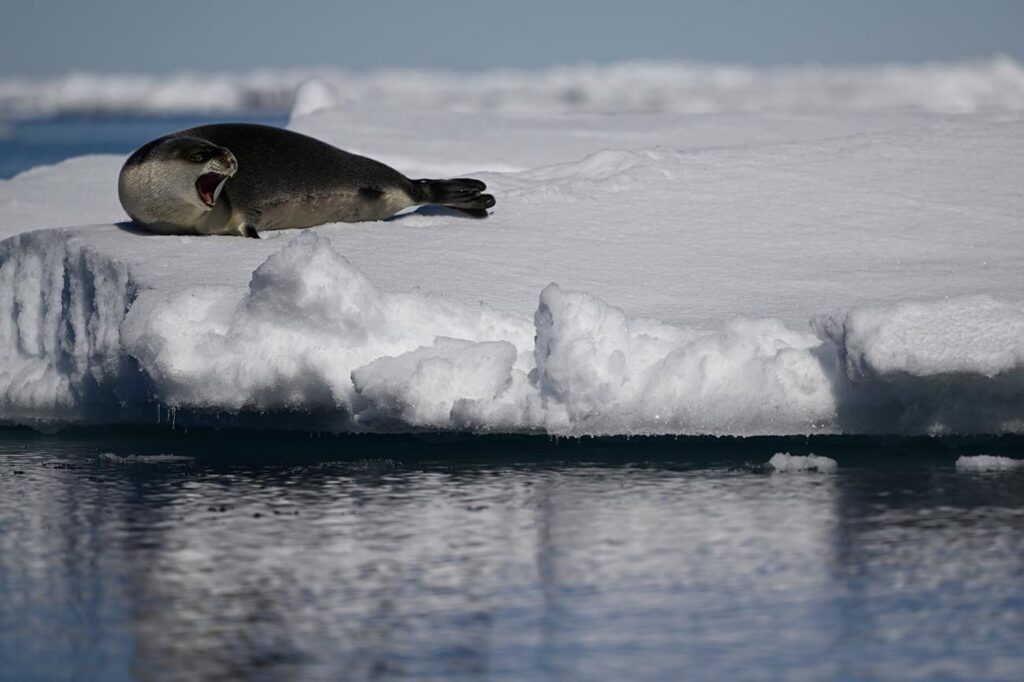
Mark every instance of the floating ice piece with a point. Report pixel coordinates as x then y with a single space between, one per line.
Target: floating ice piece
145 459
975 463
785 462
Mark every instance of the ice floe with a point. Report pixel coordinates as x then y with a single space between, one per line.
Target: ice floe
113 458
737 273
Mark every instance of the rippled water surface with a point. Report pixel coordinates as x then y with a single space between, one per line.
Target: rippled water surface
225 557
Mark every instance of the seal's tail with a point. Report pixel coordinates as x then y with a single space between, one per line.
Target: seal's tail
463 194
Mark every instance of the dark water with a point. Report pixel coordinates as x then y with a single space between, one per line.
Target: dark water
32 143
160 555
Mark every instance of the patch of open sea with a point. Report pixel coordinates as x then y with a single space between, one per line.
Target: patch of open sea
29 143
159 554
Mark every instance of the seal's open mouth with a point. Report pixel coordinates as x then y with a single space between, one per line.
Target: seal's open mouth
209 185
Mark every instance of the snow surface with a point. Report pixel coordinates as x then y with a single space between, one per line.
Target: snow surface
978 463
812 266
784 462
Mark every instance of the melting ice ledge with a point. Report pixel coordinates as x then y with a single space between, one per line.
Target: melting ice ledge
688 256
85 338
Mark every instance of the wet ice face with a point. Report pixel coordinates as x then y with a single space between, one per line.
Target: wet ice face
177 182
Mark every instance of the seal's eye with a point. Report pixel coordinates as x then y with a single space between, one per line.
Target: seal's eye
197 157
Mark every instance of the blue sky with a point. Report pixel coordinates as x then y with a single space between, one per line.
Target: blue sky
50 37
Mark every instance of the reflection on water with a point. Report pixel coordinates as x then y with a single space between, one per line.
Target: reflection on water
115 567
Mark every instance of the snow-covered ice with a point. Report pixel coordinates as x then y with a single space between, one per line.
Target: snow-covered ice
818 250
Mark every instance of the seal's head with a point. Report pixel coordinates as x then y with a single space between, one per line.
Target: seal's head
173 182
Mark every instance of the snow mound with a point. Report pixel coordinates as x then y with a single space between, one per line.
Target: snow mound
784 462
995 84
613 374
976 463
432 386
294 337
312 332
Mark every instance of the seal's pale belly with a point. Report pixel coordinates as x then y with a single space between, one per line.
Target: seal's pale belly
342 206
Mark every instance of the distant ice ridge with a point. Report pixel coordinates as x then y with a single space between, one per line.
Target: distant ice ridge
978 463
995 84
81 341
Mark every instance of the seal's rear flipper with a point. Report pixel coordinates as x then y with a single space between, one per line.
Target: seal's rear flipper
464 194
476 206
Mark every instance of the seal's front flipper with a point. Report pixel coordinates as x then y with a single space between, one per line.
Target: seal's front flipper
249 231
